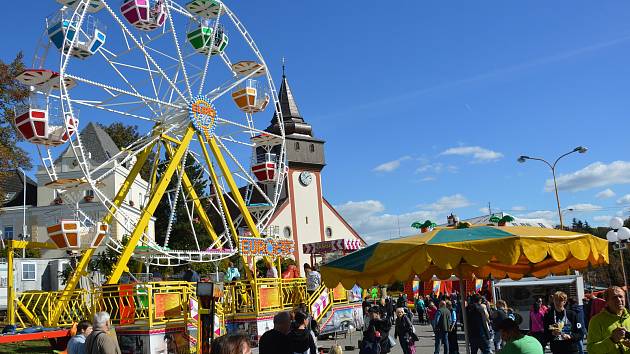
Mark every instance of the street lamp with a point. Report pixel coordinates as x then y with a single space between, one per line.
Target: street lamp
619 237
523 158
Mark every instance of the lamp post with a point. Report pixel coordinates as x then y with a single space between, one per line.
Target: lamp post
523 158
23 210
619 237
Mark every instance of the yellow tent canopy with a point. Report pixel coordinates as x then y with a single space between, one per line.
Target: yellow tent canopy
479 251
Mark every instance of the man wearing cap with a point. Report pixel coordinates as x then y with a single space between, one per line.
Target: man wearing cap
608 329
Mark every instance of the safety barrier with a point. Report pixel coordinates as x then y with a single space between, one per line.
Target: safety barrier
156 303
34 308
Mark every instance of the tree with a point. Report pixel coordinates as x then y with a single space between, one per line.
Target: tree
12 95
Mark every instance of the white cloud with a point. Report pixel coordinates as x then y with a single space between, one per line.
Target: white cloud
390 165
606 193
447 203
539 214
602 220
437 167
428 179
624 200
368 217
478 153
584 207
597 174
363 209
518 208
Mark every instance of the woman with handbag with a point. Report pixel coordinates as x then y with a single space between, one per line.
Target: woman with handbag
404 332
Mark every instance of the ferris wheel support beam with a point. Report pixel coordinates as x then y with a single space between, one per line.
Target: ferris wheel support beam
147 213
87 255
189 188
217 186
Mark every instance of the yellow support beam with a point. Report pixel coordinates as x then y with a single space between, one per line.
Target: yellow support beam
10 285
31 244
227 174
189 188
217 186
149 209
87 255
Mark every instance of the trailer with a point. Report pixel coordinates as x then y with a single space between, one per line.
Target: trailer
521 294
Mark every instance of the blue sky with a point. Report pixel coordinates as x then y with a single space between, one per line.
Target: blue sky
425 105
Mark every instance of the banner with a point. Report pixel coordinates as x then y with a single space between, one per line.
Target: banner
271 247
436 286
478 285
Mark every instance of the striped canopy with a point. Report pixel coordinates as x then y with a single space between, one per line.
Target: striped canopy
480 251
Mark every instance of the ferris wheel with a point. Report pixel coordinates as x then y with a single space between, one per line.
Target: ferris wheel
193 81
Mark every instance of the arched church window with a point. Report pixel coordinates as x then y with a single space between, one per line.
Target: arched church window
312 147
329 232
286 232
297 145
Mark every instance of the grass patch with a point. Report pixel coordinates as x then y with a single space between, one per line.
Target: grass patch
33 346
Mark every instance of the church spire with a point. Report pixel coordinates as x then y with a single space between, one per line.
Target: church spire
291 117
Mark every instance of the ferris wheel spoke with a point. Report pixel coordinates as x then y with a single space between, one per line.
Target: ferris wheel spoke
146 53
131 86
178 49
215 30
247 128
118 90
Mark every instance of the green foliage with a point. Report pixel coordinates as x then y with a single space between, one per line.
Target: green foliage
416 225
495 219
506 218
12 94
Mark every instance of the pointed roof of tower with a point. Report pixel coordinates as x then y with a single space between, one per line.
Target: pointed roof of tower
287 102
291 117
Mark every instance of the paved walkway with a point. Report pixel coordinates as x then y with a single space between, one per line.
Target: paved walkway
424 346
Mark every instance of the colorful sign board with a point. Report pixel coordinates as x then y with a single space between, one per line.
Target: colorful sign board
203 115
270 247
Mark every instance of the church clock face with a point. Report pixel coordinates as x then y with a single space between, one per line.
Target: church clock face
306 178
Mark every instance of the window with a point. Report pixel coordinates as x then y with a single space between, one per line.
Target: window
28 271
89 193
8 232
306 218
329 232
297 145
286 232
312 147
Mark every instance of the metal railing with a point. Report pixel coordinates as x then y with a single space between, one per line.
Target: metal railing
156 303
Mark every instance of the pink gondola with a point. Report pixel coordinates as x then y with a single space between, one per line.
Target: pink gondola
142 15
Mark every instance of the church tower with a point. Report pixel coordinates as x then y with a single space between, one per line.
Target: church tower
304 215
